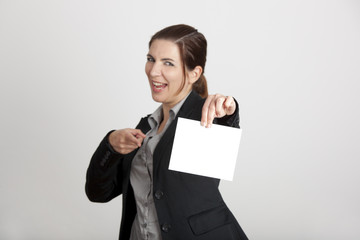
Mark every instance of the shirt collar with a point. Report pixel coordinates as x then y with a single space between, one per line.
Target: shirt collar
156 117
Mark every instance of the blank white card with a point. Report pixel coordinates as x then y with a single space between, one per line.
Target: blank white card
210 152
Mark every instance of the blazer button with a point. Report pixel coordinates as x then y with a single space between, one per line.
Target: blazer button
159 194
166 227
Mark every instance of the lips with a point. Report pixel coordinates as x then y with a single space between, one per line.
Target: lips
158 86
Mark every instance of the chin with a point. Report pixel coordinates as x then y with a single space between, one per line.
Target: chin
157 98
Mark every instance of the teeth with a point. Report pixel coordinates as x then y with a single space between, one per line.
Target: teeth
158 84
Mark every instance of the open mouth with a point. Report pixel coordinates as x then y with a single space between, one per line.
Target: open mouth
157 86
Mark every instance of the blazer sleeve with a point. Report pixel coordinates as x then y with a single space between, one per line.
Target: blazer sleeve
104 174
230 120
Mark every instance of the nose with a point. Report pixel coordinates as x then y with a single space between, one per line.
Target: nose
155 70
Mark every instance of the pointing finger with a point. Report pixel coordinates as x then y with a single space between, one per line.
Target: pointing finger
205 109
132 139
219 107
140 134
211 113
229 105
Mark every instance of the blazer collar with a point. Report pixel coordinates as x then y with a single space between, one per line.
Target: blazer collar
185 111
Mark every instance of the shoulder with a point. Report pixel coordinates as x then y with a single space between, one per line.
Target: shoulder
192 107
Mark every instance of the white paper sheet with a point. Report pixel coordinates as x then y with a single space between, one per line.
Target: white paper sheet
210 152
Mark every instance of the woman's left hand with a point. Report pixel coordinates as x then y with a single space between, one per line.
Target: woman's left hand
216 106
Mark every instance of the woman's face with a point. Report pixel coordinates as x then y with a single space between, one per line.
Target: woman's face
164 71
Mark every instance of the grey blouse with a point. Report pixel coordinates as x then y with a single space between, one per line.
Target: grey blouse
145 225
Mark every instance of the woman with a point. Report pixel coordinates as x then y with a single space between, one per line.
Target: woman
159 203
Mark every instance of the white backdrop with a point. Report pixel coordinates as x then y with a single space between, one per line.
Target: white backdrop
72 70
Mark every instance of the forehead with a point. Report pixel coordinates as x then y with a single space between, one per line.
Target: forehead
161 48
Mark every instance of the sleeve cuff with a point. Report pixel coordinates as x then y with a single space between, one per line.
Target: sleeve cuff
108 145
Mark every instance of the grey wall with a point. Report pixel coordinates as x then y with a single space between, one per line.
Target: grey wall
72 70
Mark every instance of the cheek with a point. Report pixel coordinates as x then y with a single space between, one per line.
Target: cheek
147 68
175 77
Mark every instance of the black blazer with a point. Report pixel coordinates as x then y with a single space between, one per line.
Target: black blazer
189 207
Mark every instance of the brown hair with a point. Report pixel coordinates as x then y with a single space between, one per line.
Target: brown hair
192 46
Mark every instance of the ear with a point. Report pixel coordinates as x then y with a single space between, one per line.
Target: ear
195 74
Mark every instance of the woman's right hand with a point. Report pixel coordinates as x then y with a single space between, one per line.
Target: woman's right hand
126 140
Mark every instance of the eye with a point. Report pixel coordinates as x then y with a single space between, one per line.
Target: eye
150 59
167 63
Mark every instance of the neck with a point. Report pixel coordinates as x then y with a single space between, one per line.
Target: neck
166 106
166 114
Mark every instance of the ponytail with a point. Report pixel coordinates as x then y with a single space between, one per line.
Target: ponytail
200 87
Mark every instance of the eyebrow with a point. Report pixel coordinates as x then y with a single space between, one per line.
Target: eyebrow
167 59
163 59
